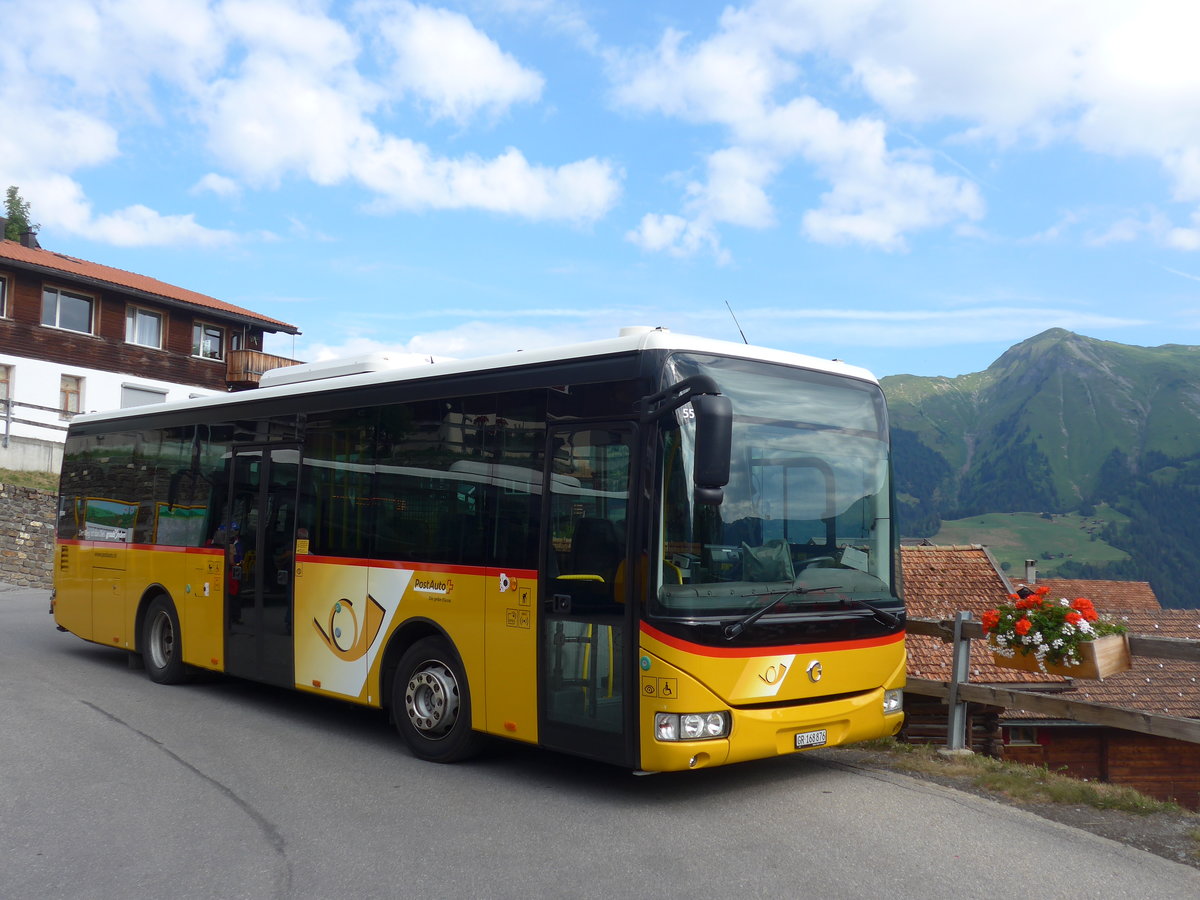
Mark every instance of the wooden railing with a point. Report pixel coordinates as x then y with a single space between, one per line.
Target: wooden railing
245 367
959 691
10 419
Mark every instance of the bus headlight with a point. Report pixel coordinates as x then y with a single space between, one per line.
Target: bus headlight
893 701
690 726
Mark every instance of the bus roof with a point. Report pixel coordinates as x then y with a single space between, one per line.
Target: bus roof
378 370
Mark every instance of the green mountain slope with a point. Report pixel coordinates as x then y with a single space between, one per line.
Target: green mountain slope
1059 423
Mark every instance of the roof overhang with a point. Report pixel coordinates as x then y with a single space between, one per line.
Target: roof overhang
198 309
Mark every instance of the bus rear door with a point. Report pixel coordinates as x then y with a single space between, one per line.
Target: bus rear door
585 627
259 537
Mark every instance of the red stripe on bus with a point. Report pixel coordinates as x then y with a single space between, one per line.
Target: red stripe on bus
747 652
117 545
431 568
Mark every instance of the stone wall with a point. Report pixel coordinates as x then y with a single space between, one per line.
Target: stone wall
26 536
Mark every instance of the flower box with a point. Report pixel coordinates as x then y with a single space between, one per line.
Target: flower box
1098 659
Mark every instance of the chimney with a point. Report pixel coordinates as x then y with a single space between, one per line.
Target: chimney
1031 571
29 239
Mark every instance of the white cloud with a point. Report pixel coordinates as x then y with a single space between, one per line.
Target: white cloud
1113 78
465 341
313 125
735 192
140 226
112 48
50 138
308 38
984 324
565 17
452 67
677 236
212 183
732 79
280 90
407 175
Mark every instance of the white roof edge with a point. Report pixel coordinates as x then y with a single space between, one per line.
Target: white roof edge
656 339
334 368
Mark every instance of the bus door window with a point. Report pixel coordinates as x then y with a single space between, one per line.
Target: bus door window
240 531
584 630
277 529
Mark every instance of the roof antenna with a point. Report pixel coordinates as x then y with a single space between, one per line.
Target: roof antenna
735 322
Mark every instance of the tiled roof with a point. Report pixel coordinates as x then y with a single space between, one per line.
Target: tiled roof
119 278
940 581
1108 596
1164 686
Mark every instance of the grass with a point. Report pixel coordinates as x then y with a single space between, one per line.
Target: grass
43 481
1015 537
1024 783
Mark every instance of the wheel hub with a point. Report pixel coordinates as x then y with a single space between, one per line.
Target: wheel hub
162 640
431 700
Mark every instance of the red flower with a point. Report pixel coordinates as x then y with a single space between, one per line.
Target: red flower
1022 627
991 619
1041 590
1084 607
1074 618
1029 603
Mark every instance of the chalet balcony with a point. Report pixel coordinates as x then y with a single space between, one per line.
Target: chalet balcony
245 367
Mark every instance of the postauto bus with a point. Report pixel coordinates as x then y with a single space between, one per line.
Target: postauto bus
660 551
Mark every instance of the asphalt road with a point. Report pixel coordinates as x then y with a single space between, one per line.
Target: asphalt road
111 786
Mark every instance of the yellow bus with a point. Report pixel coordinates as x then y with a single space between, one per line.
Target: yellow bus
659 551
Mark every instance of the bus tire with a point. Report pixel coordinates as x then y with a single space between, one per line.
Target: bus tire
162 649
431 704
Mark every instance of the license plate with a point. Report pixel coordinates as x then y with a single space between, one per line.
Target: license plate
811 739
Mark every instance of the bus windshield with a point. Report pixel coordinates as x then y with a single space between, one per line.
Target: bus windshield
806 516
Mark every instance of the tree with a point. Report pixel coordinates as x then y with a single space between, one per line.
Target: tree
16 211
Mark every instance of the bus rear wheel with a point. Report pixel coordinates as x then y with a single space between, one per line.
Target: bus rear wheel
162 650
431 703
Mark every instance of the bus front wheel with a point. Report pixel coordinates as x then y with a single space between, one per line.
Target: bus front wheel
431 704
162 650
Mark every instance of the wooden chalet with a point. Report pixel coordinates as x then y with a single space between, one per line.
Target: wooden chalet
940 581
79 336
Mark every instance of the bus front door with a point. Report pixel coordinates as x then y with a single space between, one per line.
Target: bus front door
584 628
259 537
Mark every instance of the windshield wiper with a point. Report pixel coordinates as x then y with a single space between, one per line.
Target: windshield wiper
732 631
882 615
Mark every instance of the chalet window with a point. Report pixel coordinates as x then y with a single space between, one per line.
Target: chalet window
70 395
1022 734
208 341
3 297
143 327
6 374
64 309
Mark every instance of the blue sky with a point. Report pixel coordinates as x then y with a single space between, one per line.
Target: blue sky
909 186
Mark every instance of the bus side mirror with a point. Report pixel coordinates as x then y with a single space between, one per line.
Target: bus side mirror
714 440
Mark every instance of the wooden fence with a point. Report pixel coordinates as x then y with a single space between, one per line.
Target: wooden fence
959 691
9 418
